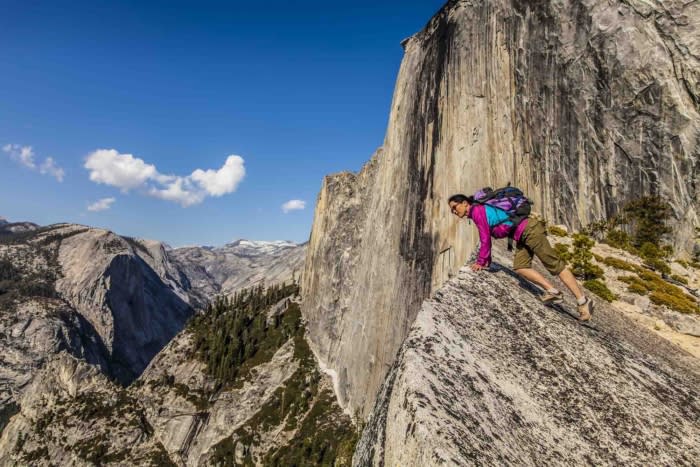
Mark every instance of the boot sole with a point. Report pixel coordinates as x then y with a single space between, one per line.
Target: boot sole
552 301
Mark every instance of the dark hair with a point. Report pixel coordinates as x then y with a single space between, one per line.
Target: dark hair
459 198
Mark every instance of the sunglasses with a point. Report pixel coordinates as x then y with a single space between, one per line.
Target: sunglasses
453 208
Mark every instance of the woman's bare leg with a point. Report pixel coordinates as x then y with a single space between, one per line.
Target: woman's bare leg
566 277
570 281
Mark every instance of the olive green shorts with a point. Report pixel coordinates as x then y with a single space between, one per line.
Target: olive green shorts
533 242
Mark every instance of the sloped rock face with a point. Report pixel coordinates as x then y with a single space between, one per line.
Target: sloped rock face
489 376
280 410
35 322
36 330
583 104
112 300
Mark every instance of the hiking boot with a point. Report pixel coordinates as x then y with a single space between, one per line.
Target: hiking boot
548 298
585 310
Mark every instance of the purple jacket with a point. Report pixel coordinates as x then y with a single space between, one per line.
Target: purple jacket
479 215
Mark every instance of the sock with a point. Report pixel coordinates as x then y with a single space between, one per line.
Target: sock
581 300
553 291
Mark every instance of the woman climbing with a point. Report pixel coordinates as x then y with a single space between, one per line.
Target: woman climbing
531 240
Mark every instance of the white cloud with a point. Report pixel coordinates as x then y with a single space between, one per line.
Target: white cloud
179 190
222 181
293 205
101 205
22 154
25 156
123 171
127 172
49 167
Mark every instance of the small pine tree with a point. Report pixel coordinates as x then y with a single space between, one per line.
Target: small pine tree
648 217
581 258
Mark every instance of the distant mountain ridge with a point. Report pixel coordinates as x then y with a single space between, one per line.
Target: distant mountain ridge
122 298
113 300
15 227
262 243
242 263
208 271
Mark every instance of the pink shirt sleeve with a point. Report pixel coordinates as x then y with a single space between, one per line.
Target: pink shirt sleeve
478 215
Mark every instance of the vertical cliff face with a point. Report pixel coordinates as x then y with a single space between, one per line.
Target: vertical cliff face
583 104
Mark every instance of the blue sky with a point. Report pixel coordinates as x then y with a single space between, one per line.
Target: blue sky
173 89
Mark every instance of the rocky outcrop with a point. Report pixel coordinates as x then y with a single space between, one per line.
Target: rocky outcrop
35 323
111 300
126 289
583 104
489 376
34 331
260 419
280 410
188 414
73 415
213 271
617 266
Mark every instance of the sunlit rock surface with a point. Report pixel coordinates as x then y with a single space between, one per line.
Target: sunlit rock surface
188 427
585 105
489 376
281 411
111 300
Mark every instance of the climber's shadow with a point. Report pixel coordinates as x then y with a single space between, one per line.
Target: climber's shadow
536 292
524 284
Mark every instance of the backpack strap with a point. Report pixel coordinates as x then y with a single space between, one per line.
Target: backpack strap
515 220
511 235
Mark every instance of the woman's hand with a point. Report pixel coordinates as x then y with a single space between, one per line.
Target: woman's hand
477 267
